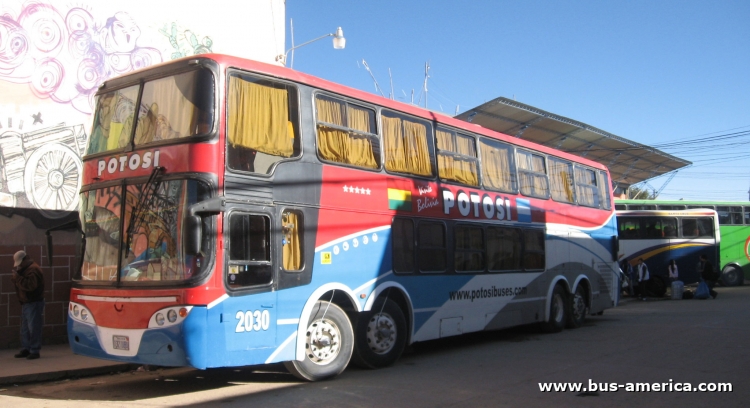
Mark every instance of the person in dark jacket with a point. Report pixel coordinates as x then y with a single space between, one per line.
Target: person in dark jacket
29 283
709 275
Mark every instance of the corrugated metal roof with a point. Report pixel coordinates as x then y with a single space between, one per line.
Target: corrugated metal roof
629 162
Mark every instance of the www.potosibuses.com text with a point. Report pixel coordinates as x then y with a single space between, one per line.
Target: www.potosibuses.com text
483 293
670 386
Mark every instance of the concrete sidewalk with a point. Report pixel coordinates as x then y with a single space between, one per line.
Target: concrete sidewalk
56 362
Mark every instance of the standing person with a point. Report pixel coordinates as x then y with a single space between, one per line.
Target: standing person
673 273
643 278
627 269
709 275
29 283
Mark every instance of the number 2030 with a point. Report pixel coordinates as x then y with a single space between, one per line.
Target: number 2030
252 320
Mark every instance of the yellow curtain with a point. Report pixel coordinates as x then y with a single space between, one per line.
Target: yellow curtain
292 249
560 181
496 172
603 184
258 118
338 145
532 177
176 113
456 168
406 146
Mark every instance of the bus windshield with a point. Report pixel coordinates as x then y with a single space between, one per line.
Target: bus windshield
150 226
170 108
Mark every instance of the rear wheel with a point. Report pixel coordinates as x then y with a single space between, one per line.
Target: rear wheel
731 276
579 308
558 311
380 335
328 344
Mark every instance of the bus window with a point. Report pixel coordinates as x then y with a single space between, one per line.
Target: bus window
261 124
586 189
113 111
431 247
533 249
641 207
603 183
503 249
347 133
457 157
497 166
697 227
249 250
729 215
621 207
177 106
628 227
469 252
669 227
561 180
671 207
532 174
407 147
402 233
291 227
747 215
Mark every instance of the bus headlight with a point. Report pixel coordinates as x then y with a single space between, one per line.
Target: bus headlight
80 313
174 315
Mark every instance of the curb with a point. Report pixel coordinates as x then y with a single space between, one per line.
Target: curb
57 375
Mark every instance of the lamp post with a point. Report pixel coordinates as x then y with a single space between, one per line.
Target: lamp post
339 42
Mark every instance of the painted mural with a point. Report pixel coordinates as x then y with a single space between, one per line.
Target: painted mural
52 60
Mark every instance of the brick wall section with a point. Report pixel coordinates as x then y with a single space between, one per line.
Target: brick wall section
57 281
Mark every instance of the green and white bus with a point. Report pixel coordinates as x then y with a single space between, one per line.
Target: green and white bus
734 225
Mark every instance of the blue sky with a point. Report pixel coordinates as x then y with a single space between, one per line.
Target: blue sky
651 71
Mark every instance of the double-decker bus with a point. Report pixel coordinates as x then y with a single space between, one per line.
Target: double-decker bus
239 213
734 227
658 236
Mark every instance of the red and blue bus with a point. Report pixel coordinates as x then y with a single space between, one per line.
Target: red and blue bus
238 213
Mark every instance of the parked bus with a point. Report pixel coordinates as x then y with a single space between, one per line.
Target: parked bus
660 236
734 226
253 214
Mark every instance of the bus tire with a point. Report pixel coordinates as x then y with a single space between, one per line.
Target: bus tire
559 307
329 341
380 337
579 308
731 276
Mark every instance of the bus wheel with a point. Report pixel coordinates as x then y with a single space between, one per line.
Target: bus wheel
731 276
558 311
380 335
328 344
578 308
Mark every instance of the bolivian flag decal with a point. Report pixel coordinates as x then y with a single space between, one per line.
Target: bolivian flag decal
399 195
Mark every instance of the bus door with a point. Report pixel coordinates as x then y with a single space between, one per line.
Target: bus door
251 310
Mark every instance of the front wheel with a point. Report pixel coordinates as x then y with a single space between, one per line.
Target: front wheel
380 335
579 309
328 344
558 311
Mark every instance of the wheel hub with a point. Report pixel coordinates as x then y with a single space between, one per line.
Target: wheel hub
323 342
381 333
579 306
55 179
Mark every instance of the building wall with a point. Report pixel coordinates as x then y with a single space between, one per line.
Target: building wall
53 56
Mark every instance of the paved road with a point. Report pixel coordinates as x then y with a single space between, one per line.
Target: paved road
655 341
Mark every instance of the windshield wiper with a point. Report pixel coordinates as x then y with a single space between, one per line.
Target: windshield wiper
145 201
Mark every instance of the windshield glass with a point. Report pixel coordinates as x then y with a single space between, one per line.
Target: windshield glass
173 107
151 229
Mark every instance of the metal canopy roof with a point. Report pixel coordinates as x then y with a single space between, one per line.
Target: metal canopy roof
629 162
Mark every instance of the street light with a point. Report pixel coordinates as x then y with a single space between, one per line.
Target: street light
339 42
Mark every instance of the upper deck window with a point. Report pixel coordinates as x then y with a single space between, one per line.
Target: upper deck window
407 147
172 107
497 166
604 184
261 125
457 157
347 133
532 174
561 180
586 187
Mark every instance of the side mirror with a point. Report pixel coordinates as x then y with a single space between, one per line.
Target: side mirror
192 234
